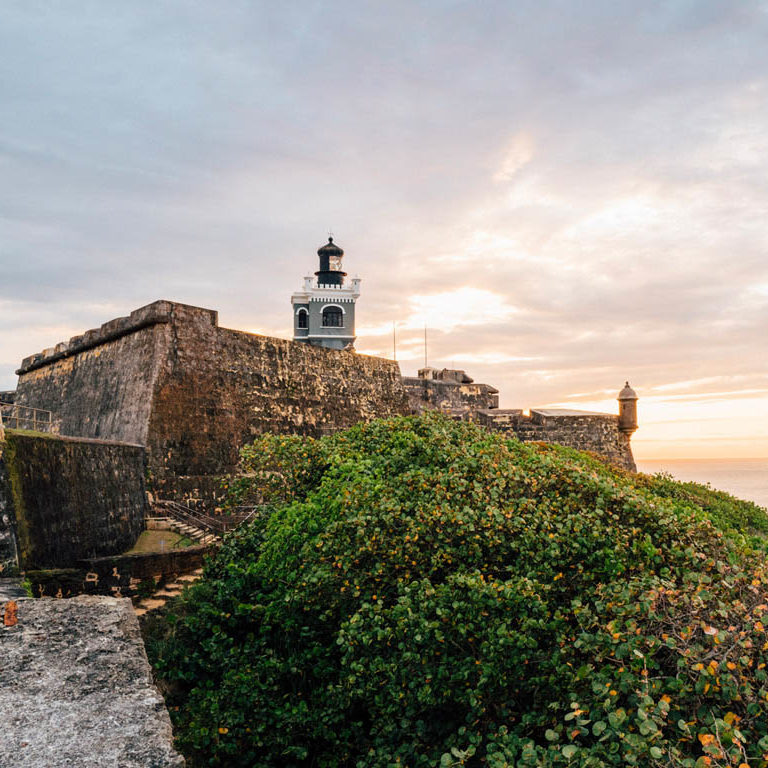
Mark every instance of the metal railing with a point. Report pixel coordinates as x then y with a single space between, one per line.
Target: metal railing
211 528
245 514
207 529
14 416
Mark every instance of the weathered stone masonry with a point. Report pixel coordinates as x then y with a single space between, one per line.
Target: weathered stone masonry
169 378
64 499
76 689
597 432
448 390
455 393
193 393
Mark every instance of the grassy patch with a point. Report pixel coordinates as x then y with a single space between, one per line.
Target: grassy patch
160 541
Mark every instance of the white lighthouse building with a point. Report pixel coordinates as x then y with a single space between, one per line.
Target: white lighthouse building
324 311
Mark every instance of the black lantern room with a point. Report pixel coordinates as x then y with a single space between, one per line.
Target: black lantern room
330 272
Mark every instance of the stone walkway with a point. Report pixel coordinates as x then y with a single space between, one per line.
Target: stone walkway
76 689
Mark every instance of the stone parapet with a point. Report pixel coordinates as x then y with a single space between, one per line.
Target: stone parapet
119 575
76 689
152 314
448 395
583 430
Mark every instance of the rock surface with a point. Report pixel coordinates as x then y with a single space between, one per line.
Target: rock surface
10 589
76 689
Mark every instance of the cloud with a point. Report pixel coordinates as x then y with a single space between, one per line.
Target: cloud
568 195
518 154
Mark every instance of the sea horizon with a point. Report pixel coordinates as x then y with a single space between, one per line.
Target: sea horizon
744 478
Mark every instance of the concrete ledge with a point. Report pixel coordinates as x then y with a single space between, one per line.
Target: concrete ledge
76 689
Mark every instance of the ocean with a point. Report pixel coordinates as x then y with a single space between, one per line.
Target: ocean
744 478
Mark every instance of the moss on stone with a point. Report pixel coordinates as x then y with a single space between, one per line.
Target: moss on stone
15 488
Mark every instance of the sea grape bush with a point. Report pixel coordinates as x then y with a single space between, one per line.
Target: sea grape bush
427 593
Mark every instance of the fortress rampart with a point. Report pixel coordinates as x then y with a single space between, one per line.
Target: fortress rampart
455 393
448 390
169 378
596 432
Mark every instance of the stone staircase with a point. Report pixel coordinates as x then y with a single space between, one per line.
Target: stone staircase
189 530
193 532
177 517
205 529
167 592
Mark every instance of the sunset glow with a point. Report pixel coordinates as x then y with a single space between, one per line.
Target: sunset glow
567 197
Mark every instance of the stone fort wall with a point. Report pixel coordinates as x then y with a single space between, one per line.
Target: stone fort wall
596 432
456 394
64 499
169 378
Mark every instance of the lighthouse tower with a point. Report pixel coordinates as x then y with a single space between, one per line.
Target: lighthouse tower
324 311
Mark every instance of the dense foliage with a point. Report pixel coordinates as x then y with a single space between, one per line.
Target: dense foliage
428 593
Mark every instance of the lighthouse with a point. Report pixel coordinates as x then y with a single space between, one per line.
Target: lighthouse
324 311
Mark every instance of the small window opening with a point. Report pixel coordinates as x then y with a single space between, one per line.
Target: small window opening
333 318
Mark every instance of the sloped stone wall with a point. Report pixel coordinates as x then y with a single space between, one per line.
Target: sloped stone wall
222 388
168 377
100 384
67 499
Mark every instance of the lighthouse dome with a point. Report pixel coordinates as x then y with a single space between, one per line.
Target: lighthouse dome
330 249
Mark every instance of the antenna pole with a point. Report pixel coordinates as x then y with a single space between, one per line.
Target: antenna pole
394 342
425 345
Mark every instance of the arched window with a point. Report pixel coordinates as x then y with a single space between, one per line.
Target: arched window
333 317
301 319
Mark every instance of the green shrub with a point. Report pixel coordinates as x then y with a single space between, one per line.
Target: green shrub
428 593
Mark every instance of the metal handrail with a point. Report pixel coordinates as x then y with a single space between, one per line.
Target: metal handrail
12 418
212 528
182 514
248 514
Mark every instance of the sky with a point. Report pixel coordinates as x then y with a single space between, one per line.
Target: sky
568 194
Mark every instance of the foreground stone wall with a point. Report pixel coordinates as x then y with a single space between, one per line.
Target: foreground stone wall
169 378
66 499
596 432
76 689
